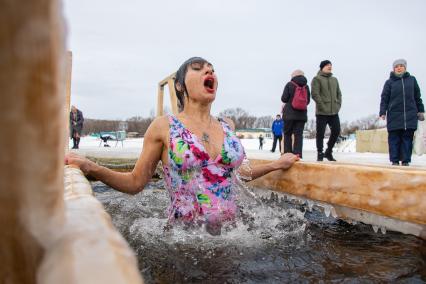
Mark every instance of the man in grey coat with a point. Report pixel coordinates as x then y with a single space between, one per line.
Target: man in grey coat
76 126
326 93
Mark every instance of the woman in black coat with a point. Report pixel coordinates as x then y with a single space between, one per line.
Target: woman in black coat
76 126
294 119
401 105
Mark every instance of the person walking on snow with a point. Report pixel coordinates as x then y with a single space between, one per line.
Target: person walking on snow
401 105
328 98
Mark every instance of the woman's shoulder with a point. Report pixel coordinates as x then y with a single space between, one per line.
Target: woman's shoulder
160 123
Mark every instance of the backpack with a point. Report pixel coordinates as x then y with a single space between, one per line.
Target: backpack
300 98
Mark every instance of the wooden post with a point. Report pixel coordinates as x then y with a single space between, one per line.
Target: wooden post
160 95
173 98
160 101
68 74
32 54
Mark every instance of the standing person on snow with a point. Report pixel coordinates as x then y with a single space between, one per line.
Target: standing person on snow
76 126
328 98
261 142
296 97
277 131
402 106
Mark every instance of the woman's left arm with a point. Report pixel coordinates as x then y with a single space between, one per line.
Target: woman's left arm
253 172
283 163
417 97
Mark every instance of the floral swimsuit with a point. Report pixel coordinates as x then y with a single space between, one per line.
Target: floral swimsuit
200 188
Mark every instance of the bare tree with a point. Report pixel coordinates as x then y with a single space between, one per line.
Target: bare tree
311 128
240 117
97 125
264 122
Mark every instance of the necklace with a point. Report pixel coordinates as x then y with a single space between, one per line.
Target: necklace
206 137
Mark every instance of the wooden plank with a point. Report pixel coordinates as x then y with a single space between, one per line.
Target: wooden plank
166 80
392 192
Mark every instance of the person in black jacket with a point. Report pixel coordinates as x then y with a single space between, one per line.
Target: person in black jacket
401 105
294 119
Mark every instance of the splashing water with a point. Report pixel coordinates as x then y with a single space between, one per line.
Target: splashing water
272 241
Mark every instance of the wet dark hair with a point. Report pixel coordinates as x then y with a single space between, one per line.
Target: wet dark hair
180 78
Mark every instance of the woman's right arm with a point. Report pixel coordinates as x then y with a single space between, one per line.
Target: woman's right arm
135 181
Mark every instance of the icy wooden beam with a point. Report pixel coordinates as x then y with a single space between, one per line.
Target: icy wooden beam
91 250
395 192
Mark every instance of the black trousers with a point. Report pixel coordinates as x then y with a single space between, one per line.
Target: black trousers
274 144
293 128
333 122
400 145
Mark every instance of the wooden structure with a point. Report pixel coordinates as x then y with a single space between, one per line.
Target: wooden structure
358 192
169 80
46 237
373 141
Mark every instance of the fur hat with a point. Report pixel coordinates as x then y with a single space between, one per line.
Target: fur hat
297 72
400 62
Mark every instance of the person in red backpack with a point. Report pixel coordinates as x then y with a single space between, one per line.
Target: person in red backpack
296 96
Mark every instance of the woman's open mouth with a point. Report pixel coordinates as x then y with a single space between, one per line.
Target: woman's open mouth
209 84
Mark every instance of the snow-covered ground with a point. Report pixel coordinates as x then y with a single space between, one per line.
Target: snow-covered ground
344 152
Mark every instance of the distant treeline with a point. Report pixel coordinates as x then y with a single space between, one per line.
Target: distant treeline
241 118
134 124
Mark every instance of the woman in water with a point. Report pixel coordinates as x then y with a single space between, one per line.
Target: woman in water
199 153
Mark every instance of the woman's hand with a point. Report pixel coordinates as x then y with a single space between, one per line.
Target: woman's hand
286 161
383 117
77 161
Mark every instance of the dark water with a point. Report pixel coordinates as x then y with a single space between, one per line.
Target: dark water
274 241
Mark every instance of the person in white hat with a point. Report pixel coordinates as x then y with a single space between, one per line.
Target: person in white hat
401 105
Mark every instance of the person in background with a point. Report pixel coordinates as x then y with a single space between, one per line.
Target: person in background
261 142
296 97
76 126
328 98
277 131
401 105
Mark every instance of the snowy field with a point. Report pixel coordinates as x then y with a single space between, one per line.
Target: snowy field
344 152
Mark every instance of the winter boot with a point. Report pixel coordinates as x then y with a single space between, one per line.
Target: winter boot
320 156
328 154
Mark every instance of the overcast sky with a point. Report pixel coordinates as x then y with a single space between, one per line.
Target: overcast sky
122 49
